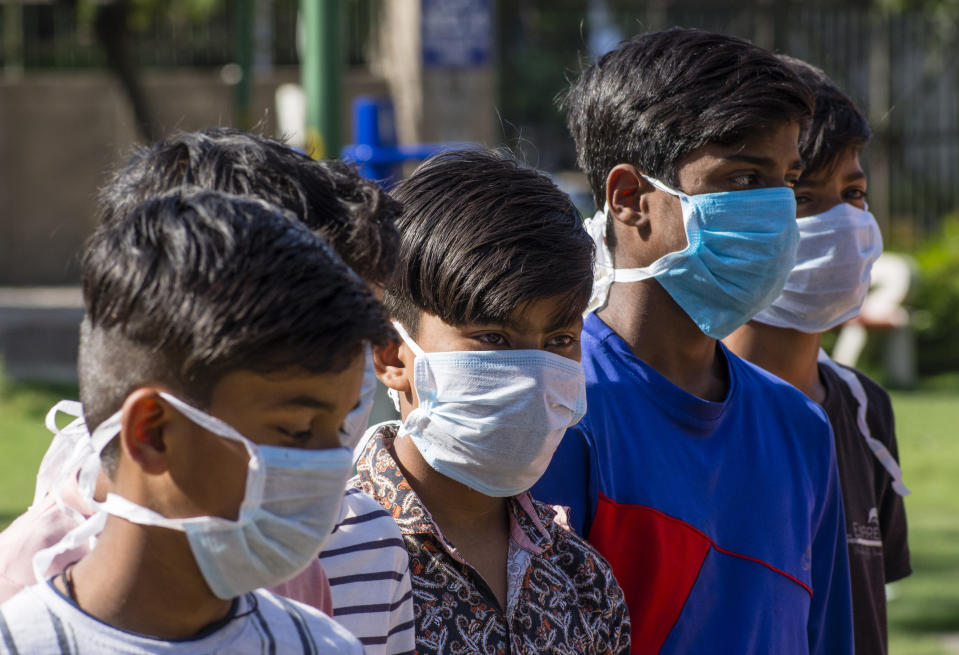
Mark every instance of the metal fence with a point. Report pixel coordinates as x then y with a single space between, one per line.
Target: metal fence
901 68
62 34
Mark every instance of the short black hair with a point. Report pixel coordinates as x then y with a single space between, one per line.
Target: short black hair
191 286
351 212
837 125
482 236
661 95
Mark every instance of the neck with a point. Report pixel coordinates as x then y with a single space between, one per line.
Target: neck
453 505
788 354
661 334
144 579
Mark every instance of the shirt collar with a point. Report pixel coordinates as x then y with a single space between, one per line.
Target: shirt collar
377 469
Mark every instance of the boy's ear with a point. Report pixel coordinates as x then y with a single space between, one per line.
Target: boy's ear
627 195
390 369
145 416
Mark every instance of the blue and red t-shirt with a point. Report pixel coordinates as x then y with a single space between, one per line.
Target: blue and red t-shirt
722 521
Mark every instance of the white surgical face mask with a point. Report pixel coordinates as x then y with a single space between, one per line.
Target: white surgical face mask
829 282
73 455
492 419
354 425
290 504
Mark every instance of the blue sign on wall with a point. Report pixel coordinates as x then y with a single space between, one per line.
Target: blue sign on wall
456 33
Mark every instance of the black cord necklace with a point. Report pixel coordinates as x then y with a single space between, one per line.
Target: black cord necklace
69 583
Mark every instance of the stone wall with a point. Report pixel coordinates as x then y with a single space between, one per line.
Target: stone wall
60 134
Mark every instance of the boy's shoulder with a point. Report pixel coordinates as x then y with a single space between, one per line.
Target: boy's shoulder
39 620
42 525
303 627
575 575
759 388
878 403
365 549
570 551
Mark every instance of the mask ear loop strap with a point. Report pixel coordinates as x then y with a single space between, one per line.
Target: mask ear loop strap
668 260
255 480
662 186
877 447
419 352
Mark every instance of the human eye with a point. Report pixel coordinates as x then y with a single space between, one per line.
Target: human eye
803 199
299 436
492 339
745 180
561 341
854 194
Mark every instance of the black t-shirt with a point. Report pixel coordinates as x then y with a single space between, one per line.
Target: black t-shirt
875 514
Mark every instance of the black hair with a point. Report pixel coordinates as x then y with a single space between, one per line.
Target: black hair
190 286
482 236
837 125
659 96
352 213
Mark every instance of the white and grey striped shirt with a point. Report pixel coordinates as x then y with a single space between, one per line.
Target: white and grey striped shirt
367 564
40 621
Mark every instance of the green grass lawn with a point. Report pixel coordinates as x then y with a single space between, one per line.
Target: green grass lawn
926 604
925 607
23 440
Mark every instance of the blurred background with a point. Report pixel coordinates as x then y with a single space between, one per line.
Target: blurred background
388 81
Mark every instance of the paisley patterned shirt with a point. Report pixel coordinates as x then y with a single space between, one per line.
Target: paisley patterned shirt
562 597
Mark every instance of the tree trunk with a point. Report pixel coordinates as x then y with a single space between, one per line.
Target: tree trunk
113 32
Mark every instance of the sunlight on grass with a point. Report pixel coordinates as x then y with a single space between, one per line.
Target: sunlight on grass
927 603
23 440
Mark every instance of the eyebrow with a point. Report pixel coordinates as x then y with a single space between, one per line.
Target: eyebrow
761 161
852 177
306 401
557 323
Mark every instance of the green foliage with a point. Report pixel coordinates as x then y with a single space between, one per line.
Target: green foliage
939 8
141 13
936 301
23 440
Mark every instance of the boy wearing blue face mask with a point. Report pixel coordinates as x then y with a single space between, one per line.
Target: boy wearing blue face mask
708 484
839 241
221 349
495 272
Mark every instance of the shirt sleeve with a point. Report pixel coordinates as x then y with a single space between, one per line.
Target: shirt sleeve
310 587
569 480
619 626
830 613
892 509
401 639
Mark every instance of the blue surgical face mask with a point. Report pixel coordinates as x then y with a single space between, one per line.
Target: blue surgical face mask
741 246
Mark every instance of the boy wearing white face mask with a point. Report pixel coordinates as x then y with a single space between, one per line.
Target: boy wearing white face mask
495 272
222 348
366 587
838 243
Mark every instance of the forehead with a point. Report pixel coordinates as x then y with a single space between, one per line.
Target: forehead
845 168
537 316
248 391
775 146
